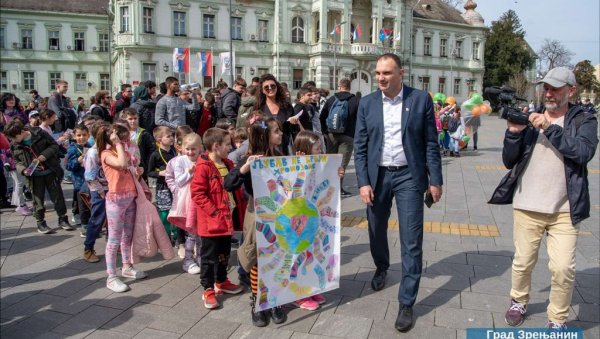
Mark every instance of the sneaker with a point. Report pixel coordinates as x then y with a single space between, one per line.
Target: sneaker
83 234
345 193
181 251
63 222
116 285
515 316
23 210
457 155
555 326
43 228
133 273
193 269
90 256
307 304
67 181
319 298
475 148
210 299
75 219
235 242
228 287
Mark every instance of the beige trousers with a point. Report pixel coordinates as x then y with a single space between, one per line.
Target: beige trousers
561 239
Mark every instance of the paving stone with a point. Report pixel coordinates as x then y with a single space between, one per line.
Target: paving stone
107 334
438 297
456 248
179 320
123 301
589 294
232 310
87 321
385 330
135 319
149 333
460 318
445 282
250 331
83 299
351 288
173 292
484 302
587 312
301 335
342 326
450 269
501 262
30 305
362 307
586 280
441 256
36 325
209 328
423 315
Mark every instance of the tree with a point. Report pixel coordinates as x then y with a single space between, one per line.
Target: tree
520 84
586 80
506 52
553 54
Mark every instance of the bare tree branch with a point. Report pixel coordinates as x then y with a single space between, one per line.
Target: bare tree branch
554 54
519 83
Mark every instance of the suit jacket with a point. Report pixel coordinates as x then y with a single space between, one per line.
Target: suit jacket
419 138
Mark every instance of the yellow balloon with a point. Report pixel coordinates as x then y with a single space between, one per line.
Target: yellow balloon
450 100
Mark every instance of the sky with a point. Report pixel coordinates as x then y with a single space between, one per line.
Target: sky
575 23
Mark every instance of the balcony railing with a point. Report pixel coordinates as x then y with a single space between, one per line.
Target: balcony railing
369 49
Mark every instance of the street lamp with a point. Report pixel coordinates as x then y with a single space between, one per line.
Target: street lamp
335 52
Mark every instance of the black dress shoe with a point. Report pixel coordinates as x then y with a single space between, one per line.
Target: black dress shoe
378 281
278 315
404 320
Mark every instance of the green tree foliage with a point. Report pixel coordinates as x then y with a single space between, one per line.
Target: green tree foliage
584 73
506 52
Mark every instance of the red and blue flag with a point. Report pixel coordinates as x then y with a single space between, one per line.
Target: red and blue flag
181 60
206 63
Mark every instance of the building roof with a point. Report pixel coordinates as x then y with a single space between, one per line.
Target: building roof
436 10
66 6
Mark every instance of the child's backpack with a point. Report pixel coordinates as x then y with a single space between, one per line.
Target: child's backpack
338 116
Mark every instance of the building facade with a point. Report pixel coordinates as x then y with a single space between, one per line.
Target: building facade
296 40
41 42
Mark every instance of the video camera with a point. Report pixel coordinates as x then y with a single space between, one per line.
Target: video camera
189 87
505 99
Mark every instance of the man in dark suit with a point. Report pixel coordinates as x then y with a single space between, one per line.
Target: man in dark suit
397 156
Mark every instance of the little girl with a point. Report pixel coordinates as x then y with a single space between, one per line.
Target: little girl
179 175
120 202
265 136
457 132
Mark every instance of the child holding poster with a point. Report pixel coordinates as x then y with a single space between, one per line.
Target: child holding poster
265 136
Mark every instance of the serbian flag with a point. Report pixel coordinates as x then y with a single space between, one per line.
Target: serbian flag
357 32
181 60
205 63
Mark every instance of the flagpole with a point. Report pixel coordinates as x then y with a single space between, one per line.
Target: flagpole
230 46
212 74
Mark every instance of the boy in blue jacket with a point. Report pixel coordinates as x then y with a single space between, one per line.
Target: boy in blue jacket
75 156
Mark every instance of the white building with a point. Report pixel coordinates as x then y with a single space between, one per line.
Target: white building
290 38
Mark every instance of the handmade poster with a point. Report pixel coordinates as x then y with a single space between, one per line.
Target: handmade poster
297 204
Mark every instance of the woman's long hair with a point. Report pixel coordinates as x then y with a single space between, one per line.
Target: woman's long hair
261 98
7 96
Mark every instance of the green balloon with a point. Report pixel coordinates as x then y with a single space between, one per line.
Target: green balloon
468 105
476 98
439 97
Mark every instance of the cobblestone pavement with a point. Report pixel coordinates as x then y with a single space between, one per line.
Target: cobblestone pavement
48 291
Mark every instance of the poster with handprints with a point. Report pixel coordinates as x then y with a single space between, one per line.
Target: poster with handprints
297 204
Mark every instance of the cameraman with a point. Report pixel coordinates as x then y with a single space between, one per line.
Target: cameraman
548 188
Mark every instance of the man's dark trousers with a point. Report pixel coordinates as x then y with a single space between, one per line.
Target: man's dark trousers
39 185
398 184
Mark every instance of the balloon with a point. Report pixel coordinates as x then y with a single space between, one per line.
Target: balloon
467 106
439 97
476 98
476 110
450 100
486 108
466 139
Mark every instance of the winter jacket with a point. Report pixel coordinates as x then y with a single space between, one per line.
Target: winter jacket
118 105
73 165
230 104
145 143
146 113
102 112
246 107
170 111
214 216
42 144
17 113
353 102
577 143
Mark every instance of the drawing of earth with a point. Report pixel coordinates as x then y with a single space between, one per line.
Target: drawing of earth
296 225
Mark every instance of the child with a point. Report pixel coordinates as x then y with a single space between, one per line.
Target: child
32 147
265 137
142 138
98 186
156 169
178 178
241 145
214 207
120 203
456 130
75 156
229 126
179 233
34 119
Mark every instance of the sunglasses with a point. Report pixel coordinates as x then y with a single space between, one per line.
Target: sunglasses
269 87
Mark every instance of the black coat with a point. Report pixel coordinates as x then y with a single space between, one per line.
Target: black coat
577 143
146 110
42 144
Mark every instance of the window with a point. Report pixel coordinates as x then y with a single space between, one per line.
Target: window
80 81
180 77
442 85
313 75
332 81
456 86
471 85
236 28
298 30
476 51
179 23
3 81
149 71
79 41
208 25
104 81
103 42
297 78
317 31
2 44
54 40
427 46
148 13
443 47
263 30
458 50
238 72
262 71
124 19
28 81
27 39
425 84
54 76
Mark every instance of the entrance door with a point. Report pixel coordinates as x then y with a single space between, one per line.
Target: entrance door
360 84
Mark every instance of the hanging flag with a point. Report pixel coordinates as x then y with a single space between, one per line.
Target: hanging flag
388 32
181 60
332 32
357 32
205 63
398 37
227 63
381 35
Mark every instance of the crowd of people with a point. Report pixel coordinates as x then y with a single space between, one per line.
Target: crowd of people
198 149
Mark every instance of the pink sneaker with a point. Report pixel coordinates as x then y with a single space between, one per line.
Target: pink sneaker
307 304
320 299
23 210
